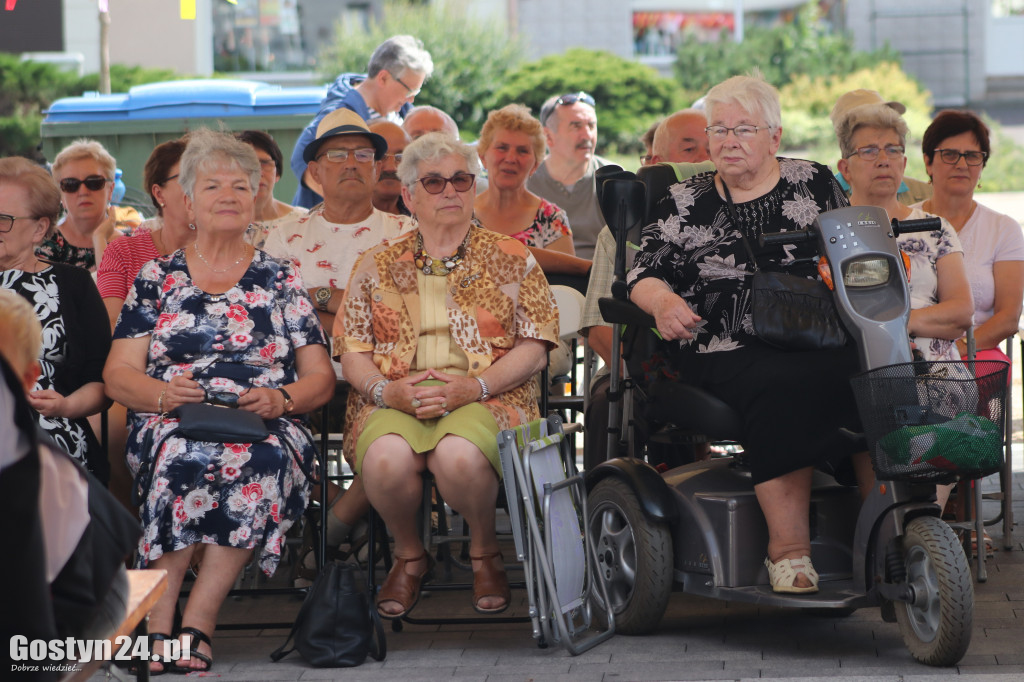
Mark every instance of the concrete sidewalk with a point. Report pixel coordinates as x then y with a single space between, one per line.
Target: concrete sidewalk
698 639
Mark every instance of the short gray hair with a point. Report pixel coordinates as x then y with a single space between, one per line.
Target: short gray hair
752 93
20 330
447 122
431 147
399 54
207 149
873 116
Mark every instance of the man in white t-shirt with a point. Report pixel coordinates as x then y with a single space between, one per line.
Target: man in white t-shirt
345 159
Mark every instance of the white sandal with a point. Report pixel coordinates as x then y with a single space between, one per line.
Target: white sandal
782 574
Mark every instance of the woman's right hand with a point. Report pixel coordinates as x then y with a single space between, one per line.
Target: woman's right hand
674 318
181 390
400 394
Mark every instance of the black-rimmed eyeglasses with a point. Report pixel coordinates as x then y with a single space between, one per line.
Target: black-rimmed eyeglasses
93 183
435 184
952 156
7 221
409 92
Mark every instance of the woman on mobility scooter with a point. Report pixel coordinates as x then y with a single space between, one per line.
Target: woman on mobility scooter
693 277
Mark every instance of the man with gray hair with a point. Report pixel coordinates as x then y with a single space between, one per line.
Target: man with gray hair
681 138
396 72
427 119
566 177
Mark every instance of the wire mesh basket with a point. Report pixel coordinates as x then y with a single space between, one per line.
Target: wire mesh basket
934 421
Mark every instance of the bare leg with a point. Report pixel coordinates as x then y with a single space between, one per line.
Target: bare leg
117 438
161 618
786 503
864 472
221 565
468 482
392 479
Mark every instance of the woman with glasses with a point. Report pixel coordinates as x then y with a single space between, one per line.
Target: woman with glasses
872 140
441 334
511 148
693 275
216 321
269 211
84 170
76 338
956 149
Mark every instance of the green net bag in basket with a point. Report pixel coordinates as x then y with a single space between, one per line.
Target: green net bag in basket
966 442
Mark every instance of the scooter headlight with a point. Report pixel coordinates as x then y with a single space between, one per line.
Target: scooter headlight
868 272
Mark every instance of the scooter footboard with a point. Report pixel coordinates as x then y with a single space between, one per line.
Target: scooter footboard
547 501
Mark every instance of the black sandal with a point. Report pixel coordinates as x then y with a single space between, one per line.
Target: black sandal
195 634
135 666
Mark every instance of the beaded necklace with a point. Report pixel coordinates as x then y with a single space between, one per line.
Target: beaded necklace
438 266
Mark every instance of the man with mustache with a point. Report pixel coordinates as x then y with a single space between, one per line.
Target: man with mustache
345 159
387 193
566 177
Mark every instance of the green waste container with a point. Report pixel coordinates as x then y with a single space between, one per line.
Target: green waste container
130 124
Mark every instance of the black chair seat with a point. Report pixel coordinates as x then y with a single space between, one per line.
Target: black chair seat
692 409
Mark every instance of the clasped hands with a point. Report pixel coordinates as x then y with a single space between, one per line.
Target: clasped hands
268 403
431 402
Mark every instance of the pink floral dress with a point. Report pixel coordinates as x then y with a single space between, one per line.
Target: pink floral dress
244 495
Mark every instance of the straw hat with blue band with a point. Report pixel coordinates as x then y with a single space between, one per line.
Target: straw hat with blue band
344 122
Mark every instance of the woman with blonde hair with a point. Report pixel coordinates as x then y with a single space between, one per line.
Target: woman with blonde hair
84 171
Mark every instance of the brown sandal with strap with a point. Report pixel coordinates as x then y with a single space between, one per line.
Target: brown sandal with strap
489 581
401 587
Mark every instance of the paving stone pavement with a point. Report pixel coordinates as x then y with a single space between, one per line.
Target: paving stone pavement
698 639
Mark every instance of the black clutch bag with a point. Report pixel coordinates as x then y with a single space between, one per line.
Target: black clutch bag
213 423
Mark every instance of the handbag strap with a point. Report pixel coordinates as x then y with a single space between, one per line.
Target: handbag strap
735 218
378 647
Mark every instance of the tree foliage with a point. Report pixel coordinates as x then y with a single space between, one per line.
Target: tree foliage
471 58
805 46
629 95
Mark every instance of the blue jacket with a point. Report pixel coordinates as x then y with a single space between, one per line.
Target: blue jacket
341 93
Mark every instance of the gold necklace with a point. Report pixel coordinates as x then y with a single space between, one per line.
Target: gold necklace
195 245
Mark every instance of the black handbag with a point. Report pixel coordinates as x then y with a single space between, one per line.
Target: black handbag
337 626
216 424
788 311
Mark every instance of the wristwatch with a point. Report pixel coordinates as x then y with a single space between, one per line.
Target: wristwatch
289 404
322 296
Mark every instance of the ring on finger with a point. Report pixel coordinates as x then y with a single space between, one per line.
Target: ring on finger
444 404
445 413
416 402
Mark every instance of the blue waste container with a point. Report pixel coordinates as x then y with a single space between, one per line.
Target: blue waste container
130 124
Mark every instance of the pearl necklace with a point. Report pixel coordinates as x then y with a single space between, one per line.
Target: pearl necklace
195 245
438 266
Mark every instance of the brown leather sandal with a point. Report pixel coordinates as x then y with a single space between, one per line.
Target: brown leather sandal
490 582
402 587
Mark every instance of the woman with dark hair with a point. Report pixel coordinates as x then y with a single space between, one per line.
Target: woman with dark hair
956 149
269 211
75 340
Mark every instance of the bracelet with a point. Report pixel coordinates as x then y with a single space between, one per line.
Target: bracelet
485 392
378 393
366 382
160 402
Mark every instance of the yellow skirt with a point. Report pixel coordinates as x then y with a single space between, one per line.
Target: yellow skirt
474 422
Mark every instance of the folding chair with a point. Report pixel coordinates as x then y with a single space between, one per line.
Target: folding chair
547 499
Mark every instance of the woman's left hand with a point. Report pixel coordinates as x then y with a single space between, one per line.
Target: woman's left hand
47 403
268 403
437 401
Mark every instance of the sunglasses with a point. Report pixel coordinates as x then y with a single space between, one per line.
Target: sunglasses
93 183
435 184
566 100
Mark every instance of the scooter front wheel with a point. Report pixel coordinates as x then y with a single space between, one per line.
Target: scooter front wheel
634 556
937 625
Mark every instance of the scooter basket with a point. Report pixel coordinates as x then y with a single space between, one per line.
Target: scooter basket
934 421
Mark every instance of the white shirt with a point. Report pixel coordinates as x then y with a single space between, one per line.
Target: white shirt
326 252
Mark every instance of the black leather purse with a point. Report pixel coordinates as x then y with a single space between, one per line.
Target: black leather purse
217 424
337 626
789 312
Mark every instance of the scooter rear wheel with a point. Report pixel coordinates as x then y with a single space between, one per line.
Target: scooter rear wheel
634 556
937 625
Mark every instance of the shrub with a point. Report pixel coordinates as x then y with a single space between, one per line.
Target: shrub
470 57
629 95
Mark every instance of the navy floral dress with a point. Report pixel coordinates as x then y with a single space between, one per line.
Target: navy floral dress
244 495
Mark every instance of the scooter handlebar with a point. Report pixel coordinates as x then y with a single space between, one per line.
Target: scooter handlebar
920 225
790 237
